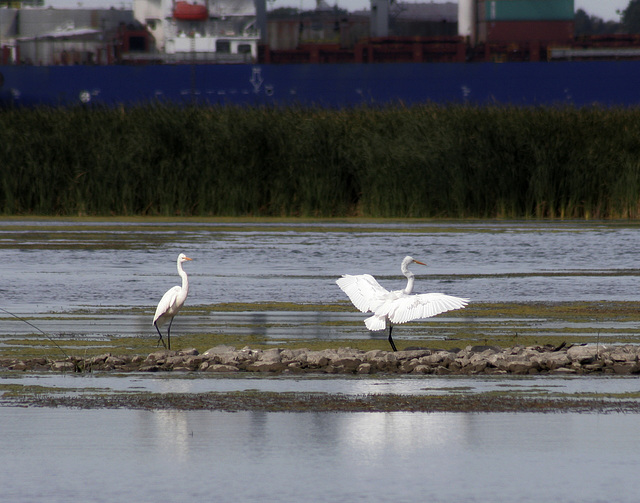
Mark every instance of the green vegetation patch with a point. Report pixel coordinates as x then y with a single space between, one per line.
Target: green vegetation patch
495 324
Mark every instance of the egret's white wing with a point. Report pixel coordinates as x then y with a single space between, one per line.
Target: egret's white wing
166 304
363 290
425 305
376 322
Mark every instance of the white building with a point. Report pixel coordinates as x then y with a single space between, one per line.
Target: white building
48 36
201 30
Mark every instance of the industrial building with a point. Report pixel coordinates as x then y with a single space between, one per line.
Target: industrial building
242 31
47 36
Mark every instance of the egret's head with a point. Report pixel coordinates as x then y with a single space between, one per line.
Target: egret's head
183 258
410 260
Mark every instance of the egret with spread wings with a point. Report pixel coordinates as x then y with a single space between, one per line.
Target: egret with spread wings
171 302
399 306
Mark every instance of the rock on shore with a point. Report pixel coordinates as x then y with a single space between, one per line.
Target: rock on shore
576 359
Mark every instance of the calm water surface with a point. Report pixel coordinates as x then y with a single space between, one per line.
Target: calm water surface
51 455
122 269
62 266
350 385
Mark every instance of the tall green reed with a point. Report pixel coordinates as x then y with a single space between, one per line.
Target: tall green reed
393 161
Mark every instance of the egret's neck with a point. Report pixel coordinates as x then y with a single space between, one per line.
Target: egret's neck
185 279
409 288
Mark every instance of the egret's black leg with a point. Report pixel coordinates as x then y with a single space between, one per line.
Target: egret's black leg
160 339
393 346
169 334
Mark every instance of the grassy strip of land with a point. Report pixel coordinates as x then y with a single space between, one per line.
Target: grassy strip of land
497 324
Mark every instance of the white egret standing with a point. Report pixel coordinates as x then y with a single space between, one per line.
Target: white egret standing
171 303
398 306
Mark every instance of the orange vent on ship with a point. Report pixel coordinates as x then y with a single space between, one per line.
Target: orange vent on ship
190 12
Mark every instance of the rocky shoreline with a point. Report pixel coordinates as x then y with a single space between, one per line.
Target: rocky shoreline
485 360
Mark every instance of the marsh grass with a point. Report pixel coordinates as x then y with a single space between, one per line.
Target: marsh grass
499 324
393 161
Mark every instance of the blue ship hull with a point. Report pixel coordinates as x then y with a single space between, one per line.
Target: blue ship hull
608 83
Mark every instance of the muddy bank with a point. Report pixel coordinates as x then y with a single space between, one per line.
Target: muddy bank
562 360
325 402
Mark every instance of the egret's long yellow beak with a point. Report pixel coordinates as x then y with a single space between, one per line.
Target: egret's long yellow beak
187 258
418 262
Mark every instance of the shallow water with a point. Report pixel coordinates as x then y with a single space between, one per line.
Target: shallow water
60 265
347 385
55 455
103 279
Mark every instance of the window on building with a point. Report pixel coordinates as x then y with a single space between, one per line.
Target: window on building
223 46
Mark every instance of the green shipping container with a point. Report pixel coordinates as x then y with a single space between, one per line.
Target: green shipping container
526 10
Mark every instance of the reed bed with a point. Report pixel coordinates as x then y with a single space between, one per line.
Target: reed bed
453 161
